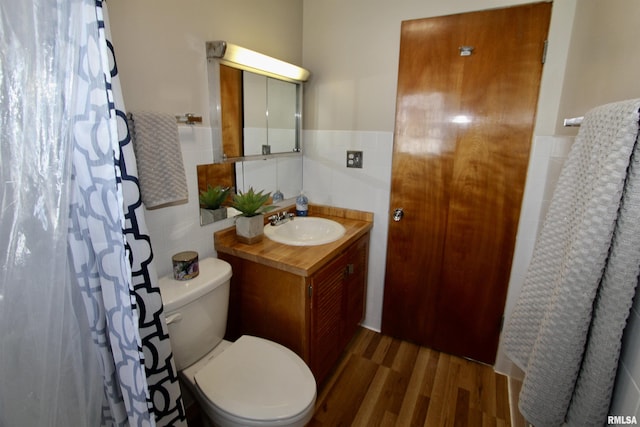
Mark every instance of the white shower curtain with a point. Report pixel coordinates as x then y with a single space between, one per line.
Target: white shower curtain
70 348
47 358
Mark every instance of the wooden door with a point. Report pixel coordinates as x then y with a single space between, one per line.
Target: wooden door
461 147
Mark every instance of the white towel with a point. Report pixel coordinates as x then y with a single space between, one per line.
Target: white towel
159 158
565 331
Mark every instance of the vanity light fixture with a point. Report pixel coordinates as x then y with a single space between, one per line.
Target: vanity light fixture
256 62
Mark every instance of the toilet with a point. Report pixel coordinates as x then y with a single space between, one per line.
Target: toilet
249 382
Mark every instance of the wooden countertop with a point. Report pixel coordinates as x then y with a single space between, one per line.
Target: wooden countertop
300 260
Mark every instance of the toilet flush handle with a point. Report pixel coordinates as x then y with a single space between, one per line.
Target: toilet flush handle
173 318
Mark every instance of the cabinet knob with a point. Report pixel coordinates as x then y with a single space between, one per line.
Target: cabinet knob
348 270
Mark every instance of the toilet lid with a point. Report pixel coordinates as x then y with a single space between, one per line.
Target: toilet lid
258 379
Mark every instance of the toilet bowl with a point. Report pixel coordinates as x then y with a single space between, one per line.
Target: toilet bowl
255 382
249 382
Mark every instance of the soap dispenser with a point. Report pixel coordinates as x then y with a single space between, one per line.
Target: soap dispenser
302 205
277 197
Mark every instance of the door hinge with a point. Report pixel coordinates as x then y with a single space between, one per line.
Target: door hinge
544 51
310 289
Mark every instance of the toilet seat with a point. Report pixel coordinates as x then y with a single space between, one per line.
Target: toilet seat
258 381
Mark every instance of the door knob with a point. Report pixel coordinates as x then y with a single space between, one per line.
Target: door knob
398 213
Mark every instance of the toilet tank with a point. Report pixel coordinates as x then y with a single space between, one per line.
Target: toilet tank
196 310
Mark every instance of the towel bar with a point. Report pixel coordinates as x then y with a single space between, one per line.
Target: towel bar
189 119
575 121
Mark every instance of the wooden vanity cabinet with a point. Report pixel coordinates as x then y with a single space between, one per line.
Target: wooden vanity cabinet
315 316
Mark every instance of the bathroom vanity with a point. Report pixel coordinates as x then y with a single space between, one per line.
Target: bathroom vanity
310 299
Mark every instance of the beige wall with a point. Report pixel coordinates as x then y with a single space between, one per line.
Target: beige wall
160 45
603 60
352 48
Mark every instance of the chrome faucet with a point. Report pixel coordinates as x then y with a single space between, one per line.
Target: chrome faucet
280 218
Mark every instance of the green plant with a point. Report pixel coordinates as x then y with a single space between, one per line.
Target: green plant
251 203
213 197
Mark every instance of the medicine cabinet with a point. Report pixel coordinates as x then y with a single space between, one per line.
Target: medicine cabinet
255 104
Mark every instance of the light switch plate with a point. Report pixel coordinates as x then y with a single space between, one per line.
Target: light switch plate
354 159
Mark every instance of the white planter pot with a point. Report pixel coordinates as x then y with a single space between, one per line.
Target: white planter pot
250 229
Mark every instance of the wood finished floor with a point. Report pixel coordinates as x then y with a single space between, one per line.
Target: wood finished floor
382 381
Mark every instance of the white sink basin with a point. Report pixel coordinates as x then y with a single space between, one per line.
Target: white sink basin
305 231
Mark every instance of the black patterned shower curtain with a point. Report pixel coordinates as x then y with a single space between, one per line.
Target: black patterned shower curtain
165 398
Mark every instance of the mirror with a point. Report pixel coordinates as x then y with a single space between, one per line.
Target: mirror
275 173
255 104
255 114
270 109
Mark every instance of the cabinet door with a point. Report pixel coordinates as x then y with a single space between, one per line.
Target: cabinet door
326 316
337 306
268 303
355 280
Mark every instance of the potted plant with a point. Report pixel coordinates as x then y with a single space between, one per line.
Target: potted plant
211 201
250 223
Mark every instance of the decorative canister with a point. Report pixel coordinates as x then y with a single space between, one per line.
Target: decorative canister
185 265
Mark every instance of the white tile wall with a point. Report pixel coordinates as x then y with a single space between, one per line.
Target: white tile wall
282 173
328 181
177 228
545 162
